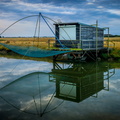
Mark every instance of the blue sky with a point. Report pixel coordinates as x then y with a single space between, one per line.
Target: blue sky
107 12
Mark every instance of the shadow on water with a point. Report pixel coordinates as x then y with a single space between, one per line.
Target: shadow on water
40 93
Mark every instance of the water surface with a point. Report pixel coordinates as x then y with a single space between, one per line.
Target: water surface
53 91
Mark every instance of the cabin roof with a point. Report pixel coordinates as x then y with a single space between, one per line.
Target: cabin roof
77 23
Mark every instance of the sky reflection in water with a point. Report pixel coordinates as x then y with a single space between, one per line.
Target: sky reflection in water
78 92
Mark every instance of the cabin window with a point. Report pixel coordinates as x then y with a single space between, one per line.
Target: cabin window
67 32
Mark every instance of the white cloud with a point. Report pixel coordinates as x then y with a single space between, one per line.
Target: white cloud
100 7
4 23
19 29
24 28
10 66
114 22
90 2
41 7
113 11
65 13
7 14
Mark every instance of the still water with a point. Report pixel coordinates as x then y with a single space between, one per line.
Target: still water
41 90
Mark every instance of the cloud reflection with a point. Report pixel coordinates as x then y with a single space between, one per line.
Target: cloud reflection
105 106
11 69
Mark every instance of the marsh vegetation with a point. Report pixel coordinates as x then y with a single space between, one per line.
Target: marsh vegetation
47 42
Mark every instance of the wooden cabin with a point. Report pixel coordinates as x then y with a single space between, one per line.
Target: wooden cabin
79 35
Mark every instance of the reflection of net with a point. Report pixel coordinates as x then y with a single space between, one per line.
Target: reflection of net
32 51
30 94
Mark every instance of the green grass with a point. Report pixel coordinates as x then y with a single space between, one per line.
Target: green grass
3 48
115 53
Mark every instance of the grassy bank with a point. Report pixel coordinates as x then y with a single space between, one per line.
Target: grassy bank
115 53
114 42
45 42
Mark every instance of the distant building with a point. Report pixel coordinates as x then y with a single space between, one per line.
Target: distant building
79 35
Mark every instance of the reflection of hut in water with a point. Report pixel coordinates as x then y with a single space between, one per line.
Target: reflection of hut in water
78 82
34 93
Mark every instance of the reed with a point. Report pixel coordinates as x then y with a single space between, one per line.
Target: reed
45 42
114 42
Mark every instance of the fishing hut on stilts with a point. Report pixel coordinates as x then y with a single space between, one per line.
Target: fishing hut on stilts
85 41
73 41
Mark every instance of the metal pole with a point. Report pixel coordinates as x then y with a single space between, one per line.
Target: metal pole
96 37
108 36
51 30
80 41
108 41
